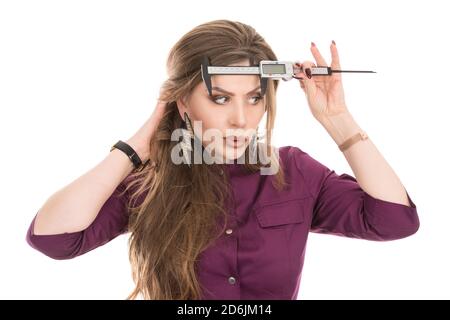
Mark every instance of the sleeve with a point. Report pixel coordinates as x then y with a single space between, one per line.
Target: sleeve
343 208
111 221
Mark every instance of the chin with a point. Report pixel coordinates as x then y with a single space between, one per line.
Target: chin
233 154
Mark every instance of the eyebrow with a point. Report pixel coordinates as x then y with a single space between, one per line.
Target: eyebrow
232 94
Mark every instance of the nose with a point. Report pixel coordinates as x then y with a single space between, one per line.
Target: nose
237 117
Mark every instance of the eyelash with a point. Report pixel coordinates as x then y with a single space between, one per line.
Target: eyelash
213 98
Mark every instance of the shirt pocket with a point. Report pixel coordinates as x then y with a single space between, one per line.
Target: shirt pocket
279 241
281 213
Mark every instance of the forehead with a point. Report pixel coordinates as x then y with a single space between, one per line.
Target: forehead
236 84
239 84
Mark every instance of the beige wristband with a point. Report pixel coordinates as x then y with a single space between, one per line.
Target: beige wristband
352 140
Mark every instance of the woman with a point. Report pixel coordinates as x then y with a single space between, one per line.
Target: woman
215 230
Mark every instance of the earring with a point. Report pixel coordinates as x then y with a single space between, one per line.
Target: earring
186 142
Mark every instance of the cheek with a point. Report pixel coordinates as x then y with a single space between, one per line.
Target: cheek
212 124
254 117
209 117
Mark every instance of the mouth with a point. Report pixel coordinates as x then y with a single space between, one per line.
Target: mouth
235 141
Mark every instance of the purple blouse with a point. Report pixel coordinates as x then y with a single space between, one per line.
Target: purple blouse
260 256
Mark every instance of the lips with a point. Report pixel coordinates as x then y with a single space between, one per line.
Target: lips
234 141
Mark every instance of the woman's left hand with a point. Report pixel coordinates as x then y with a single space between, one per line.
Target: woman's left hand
325 94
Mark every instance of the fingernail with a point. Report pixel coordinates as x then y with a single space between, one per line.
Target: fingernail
313 44
308 73
333 42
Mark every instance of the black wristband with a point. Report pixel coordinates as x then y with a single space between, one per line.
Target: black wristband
129 151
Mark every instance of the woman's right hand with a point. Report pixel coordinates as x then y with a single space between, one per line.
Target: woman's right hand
140 141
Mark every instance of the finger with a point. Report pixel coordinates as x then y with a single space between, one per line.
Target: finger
335 63
310 85
298 74
300 68
160 107
317 56
162 93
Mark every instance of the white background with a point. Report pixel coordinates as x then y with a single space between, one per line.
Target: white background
76 76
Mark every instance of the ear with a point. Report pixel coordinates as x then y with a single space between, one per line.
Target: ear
182 108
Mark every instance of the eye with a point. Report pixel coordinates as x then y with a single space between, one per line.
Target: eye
259 97
216 98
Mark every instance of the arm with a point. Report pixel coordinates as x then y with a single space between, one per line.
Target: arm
90 211
111 221
87 213
374 205
373 173
342 207
74 207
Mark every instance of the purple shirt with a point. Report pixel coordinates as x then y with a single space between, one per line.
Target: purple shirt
261 254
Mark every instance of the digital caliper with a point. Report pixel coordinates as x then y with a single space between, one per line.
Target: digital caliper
266 69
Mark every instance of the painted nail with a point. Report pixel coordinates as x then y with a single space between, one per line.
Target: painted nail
308 73
313 44
333 42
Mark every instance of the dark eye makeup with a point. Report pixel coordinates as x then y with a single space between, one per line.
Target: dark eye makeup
216 97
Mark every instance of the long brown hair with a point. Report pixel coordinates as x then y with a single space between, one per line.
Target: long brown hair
178 217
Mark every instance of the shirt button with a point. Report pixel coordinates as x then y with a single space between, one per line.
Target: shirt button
231 280
221 172
229 231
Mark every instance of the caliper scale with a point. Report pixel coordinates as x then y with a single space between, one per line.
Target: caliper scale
266 69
